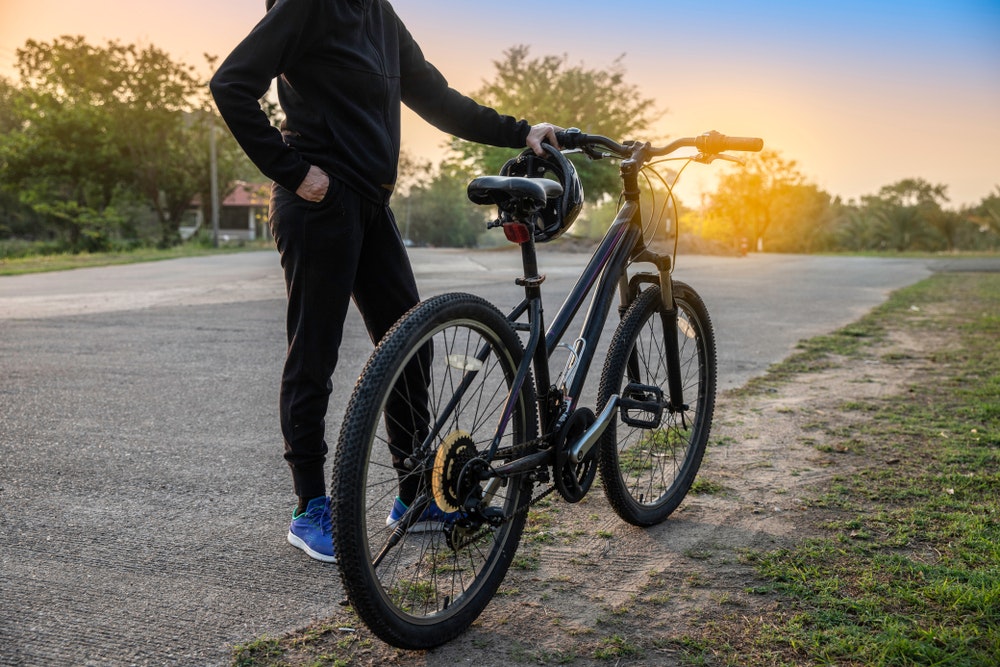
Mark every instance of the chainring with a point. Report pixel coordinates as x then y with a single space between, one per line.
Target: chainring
573 480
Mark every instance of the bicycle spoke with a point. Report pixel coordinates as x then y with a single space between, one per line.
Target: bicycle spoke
431 573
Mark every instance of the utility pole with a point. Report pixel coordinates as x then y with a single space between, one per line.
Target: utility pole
214 161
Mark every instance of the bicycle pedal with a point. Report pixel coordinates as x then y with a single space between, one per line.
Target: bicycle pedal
644 399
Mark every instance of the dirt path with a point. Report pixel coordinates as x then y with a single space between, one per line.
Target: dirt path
144 504
591 589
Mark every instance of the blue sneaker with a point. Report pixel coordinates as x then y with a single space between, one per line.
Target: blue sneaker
312 530
433 518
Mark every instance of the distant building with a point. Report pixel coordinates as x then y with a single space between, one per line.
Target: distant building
242 216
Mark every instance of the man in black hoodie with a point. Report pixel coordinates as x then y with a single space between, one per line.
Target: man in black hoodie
343 67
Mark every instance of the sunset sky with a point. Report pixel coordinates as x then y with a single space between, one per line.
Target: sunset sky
860 94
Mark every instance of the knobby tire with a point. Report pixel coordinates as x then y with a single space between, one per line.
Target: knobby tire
646 472
430 586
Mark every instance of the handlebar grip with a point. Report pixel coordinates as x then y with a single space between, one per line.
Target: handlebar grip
570 138
753 144
714 142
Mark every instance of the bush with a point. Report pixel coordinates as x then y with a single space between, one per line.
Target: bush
17 248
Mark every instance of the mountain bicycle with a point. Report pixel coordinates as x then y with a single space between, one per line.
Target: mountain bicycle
456 409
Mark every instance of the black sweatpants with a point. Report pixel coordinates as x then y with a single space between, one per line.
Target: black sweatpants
341 248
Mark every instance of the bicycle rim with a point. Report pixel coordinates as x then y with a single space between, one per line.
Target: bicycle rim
647 471
431 585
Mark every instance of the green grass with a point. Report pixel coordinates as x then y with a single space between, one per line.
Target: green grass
260 651
817 354
65 261
907 568
904 565
616 647
707 487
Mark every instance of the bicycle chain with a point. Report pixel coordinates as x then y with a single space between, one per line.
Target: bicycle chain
527 448
523 509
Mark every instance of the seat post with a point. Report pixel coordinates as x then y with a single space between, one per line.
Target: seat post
531 281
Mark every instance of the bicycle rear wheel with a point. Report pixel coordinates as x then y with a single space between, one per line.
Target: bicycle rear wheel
416 590
647 469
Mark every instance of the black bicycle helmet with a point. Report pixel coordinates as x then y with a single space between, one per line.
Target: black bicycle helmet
560 212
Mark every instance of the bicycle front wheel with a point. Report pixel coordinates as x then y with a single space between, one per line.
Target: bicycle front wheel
424 411
648 468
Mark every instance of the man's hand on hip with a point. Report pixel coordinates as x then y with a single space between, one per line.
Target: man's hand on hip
314 186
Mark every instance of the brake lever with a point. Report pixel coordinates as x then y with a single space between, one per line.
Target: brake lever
592 153
712 157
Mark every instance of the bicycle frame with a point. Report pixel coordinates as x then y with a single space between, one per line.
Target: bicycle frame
490 453
622 244
605 274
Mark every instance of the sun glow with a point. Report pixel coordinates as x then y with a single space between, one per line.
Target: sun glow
915 95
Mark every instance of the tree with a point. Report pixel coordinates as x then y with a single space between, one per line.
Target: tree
8 95
913 192
804 220
854 230
983 223
98 127
412 172
168 119
768 199
437 212
550 88
987 214
902 214
57 155
16 218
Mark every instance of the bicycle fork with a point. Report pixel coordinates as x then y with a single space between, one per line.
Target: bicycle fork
668 316
636 397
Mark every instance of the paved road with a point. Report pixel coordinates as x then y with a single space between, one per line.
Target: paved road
143 498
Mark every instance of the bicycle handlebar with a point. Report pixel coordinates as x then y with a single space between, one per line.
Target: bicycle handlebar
574 138
713 143
710 143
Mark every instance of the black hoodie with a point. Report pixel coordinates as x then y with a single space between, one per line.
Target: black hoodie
343 67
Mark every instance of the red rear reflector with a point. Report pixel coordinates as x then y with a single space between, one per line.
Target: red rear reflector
516 232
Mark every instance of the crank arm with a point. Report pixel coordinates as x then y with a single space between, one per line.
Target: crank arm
578 452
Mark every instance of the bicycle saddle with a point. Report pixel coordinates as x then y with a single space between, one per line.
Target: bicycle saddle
505 191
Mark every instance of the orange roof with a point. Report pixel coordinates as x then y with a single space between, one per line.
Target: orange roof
248 194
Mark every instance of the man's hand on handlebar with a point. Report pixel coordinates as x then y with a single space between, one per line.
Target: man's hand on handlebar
541 133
